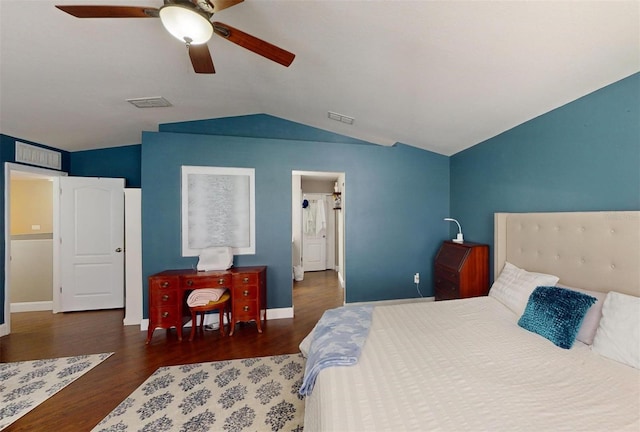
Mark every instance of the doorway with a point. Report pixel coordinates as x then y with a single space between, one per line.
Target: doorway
30 240
317 224
89 214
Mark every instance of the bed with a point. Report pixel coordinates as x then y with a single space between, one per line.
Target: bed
467 365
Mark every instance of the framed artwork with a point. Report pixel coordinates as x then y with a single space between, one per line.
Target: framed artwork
218 209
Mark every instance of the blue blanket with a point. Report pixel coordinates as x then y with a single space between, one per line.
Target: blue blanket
337 341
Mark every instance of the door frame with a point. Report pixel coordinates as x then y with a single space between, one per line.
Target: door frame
296 213
10 167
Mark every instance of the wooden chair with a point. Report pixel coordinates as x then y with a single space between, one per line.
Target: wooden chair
222 306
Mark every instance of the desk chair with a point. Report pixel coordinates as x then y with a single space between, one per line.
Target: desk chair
222 305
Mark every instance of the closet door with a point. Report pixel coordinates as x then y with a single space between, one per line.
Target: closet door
91 243
314 233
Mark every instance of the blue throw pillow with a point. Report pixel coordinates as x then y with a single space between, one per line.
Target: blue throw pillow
556 314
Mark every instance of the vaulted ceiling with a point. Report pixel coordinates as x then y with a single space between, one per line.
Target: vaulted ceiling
438 75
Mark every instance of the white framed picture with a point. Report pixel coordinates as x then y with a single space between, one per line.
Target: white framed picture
218 209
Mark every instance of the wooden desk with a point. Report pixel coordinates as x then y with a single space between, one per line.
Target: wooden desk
461 270
169 289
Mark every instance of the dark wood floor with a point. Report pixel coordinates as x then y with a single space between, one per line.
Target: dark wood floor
82 404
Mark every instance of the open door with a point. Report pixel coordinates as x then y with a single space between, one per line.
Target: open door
314 233
91 243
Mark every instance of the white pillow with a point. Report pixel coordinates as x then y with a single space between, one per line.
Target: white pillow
618 336
514 286
592 319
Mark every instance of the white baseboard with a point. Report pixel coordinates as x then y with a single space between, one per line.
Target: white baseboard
392 302
4 329
272 314
279 313
130 321
31 306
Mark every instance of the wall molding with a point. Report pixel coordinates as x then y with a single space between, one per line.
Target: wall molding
393 302
31 306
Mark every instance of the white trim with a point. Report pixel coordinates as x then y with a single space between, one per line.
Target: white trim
31 306
279 313
133 256
393 302
4 329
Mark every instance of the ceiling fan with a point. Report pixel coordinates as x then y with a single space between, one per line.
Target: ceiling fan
190 21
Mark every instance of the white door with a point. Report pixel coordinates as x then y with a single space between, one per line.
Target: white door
91 243
314 233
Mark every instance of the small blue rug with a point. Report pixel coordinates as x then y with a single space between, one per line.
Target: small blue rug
254 394
25 385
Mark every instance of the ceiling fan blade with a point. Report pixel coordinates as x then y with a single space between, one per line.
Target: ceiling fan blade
254 44
218 5
201 59
92 11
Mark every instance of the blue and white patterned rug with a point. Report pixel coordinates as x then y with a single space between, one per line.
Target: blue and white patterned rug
24 385
255 394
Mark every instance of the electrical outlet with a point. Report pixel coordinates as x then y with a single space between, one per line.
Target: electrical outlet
416 278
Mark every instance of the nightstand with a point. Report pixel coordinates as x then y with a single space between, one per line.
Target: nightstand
461 270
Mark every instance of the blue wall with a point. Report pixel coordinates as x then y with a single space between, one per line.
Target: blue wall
258 126
396 199
583 156
121 162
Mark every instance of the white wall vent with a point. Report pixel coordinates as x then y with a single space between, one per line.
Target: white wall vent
39 156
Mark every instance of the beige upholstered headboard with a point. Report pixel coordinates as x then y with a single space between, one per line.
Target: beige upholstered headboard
598 251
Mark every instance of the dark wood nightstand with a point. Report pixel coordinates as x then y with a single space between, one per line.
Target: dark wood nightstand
461 270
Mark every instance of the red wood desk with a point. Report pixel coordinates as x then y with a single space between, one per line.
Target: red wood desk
168 290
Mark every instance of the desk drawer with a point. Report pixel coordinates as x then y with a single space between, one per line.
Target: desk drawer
158 298
207 281
241 293
240 279
165 316
245 310
158 283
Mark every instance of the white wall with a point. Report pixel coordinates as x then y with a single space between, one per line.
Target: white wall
31 273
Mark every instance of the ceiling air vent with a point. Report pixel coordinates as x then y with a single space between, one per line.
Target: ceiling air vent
32 155
150 102
340 117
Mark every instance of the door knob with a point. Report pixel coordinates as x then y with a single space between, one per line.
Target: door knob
119 250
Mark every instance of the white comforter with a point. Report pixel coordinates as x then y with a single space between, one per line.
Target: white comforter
466 365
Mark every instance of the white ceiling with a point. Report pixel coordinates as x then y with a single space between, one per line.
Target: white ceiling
438 75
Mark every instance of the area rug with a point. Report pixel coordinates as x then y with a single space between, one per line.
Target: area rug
24 385
255 394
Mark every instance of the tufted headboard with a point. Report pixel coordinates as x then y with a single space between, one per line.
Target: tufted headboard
598 251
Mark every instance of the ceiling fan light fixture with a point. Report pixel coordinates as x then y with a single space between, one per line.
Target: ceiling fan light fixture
186 23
